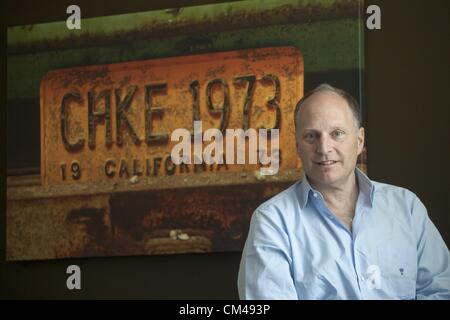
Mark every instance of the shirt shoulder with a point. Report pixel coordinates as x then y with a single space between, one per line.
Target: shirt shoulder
272 222
395 196
390 189
284 203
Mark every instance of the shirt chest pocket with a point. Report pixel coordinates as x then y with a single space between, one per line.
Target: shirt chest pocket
397 260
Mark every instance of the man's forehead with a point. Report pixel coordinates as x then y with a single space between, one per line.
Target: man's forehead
323 98
326 106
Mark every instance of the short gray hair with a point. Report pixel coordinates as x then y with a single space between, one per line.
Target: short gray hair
352 103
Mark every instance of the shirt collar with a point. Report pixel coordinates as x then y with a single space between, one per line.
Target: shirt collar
304 189
366 187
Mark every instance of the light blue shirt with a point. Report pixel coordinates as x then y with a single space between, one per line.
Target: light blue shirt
298 249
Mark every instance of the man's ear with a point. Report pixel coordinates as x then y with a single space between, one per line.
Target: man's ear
361 134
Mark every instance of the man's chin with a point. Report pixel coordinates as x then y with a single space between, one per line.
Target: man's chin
327 179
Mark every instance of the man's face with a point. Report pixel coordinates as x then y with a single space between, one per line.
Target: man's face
328 141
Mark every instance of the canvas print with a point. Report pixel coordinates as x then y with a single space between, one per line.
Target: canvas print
160 132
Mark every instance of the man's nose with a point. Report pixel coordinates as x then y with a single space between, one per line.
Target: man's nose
323 145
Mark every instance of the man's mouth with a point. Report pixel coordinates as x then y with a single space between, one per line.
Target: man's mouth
326 163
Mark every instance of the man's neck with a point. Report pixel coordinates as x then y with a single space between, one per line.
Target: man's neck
341 197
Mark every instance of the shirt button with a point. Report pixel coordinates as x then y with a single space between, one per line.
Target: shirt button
315 195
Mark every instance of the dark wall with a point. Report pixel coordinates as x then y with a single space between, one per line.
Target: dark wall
406 80
407 89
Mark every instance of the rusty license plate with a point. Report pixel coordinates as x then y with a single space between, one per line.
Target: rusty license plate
113 122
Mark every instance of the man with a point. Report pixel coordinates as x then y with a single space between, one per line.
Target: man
336 234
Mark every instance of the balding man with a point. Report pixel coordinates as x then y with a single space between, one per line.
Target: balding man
336 234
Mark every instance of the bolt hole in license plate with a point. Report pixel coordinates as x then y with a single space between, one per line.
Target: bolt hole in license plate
114 122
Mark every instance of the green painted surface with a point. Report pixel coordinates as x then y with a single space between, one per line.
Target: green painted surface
158 20
326 46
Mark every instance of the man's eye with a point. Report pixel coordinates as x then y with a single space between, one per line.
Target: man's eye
309 137
338 134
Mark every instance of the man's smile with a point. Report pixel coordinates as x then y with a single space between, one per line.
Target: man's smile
326 163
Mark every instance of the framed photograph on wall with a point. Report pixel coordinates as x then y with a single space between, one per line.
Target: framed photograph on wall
97 107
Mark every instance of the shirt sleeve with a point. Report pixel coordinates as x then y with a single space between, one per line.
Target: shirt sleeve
265 270
433 265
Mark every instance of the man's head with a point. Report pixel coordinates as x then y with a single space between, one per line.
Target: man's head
328 135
